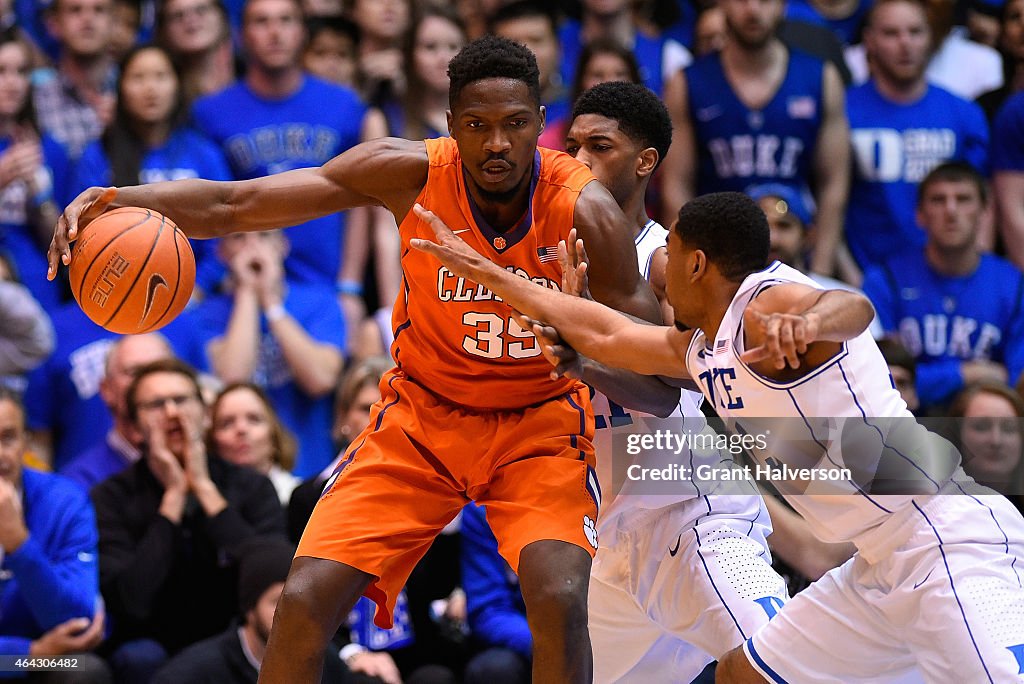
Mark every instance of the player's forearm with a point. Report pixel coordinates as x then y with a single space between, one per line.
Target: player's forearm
592 329
209 209
640 304
631 390
793 541
201 208
842 315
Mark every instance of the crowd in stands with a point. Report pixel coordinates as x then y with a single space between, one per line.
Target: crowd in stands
152 487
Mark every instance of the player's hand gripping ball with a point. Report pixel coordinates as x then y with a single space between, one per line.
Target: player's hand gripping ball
132 270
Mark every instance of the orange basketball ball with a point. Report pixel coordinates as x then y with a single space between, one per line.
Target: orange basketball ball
132 270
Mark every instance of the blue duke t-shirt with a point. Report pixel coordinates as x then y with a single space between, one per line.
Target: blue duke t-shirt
260 137
894 147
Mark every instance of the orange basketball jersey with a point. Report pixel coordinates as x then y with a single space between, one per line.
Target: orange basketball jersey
456 337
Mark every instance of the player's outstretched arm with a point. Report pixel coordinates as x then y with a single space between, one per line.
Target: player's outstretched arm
591 328
797 326
386 171
647 393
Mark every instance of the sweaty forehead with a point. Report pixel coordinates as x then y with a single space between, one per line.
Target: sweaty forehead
494 95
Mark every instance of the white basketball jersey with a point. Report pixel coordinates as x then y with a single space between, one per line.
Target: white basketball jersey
812 418
615 421
648 241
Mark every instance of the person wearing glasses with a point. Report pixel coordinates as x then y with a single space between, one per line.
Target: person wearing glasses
168 525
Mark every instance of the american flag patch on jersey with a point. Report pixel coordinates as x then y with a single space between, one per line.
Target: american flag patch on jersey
721 346
801 107
546 254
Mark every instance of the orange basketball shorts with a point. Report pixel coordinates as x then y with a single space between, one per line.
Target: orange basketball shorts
422 458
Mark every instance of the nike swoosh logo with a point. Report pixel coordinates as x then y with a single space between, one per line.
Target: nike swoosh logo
464 230
156 280
925 578
673 552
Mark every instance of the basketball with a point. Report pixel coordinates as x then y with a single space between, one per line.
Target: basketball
132 270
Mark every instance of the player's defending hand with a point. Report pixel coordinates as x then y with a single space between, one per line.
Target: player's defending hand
783 337
565 359
450 249
572 257
84 208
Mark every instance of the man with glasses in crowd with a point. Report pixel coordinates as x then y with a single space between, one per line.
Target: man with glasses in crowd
168 525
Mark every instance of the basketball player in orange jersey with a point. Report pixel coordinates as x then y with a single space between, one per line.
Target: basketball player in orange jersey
470 412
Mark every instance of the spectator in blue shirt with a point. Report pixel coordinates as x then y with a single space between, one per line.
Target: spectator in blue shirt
901 128
958 311
119 447
278 118
49 581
